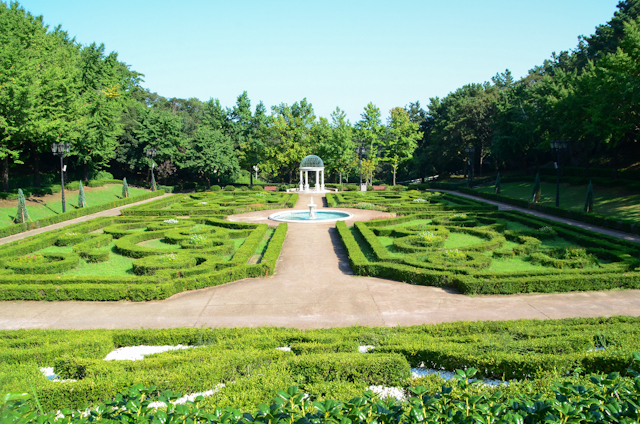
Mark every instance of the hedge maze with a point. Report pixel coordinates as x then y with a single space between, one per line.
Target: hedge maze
252 365
152 252
480 250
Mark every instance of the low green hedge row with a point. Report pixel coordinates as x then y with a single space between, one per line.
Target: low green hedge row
462 269
19 228
246 359
272 253
155 281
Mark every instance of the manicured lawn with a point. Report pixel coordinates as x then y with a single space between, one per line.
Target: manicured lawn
608 201
46 206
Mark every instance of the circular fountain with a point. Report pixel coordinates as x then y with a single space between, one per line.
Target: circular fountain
311 216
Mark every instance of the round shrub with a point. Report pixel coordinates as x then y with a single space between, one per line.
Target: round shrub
215 188
229 188
352 187
43 263
244 188
150 264
71 238
257 188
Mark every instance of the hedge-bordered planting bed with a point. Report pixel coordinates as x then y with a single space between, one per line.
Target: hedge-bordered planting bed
163 247
504 253
324 363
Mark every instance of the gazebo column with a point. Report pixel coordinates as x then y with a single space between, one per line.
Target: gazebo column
301 181
322 185
306 180
317 180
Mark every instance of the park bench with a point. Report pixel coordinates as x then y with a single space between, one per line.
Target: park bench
271 188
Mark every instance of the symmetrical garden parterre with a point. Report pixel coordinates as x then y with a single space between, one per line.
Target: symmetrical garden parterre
438 240
154 251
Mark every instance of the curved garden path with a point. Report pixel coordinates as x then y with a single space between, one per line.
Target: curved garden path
313 287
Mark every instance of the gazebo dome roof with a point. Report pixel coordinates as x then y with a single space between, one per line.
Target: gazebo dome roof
311 161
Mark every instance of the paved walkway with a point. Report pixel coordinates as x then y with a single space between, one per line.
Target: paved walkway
108 212
313 287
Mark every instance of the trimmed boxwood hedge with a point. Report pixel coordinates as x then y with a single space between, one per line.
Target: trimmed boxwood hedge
428 264
197 268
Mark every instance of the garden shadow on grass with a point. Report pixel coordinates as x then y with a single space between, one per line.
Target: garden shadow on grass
338 249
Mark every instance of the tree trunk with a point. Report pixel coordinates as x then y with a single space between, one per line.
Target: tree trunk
394 176
250 178
481 157
85 169
340 178
208 179
5 174
290 176
36 169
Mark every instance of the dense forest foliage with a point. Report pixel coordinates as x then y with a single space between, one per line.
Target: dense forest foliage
55 89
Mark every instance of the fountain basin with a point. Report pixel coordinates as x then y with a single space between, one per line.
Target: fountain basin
302 216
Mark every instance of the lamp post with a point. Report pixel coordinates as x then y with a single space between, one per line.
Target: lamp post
256 168
470 150
62 150
558 146
360 151
151 153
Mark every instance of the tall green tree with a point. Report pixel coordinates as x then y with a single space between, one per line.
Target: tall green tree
289 137
103 84
369 132
401 139
211 153
338 149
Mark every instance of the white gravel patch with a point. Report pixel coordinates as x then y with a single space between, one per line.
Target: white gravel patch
284 348
365 349
384 392
448 375
51 375
137 353
187 398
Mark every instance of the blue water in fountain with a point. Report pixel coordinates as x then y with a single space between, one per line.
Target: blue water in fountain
320 215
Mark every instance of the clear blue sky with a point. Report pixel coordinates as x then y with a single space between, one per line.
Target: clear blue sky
334 53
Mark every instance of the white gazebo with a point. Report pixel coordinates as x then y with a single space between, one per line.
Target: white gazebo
312 163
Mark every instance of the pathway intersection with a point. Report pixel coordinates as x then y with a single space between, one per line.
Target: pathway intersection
313 287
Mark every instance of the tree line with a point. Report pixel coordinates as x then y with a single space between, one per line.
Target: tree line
54 89
589 97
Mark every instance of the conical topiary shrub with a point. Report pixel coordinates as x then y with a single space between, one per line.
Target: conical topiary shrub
153 182
588 203
21 215
536 189
125 188
82 202
498 184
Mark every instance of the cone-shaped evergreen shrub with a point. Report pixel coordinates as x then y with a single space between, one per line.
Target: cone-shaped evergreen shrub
21 215
82 203
498 184
125 188
588 203
153 182
536 189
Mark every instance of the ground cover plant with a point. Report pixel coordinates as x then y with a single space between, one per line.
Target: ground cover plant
486 251
244 368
